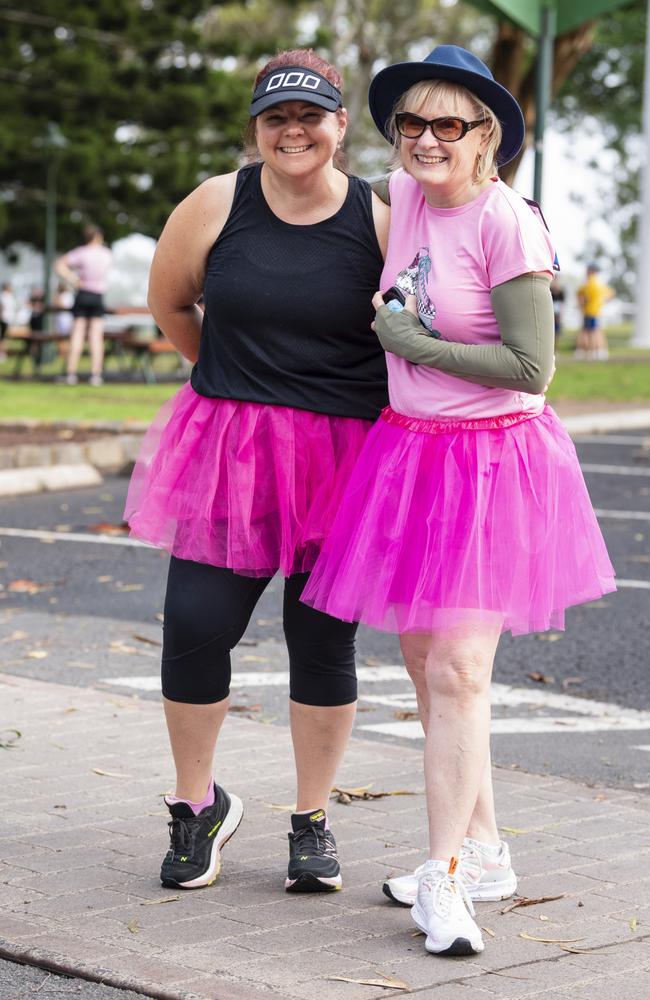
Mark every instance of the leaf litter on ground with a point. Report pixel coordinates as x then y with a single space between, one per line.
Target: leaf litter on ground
9 738
387 982
348 795
530 901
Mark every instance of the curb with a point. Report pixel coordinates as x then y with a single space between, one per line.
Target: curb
614 420
18 482
34 468
115 451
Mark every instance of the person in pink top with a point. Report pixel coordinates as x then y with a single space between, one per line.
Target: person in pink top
86 268
466 514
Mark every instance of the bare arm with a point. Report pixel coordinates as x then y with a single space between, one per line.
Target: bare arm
178 267
523 361
64 271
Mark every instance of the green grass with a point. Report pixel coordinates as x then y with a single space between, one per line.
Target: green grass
624 379
614 381
51 403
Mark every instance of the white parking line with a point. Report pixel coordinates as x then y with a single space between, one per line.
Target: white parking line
261 678
582 715
99 539
621 515
633 584
71 536
614 470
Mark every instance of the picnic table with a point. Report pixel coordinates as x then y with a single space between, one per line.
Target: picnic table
130 337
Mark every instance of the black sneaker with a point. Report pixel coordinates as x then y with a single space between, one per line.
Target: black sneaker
193 858
313 863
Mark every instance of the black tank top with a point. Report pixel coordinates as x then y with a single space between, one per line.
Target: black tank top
288 308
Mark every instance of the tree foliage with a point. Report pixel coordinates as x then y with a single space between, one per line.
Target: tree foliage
137 91
604 97
150 96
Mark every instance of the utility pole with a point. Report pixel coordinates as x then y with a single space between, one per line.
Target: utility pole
543 80
53 145
642 321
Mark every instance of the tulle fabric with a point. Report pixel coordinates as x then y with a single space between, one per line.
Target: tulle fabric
442 526
243 485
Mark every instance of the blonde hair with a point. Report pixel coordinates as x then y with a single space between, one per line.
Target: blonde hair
431 90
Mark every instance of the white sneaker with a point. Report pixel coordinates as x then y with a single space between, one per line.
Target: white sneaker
444 911
488 876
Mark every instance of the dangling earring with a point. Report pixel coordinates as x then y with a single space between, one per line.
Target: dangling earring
478 166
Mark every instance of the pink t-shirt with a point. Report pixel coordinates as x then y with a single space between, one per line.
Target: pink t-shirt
451 258
92 263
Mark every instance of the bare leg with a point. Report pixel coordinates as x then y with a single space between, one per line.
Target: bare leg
452 679
193 732
483 824
96 341
76 344
320 736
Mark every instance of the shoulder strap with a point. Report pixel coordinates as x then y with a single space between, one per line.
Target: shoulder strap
536 208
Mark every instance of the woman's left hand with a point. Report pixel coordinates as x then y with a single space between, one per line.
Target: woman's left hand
410 305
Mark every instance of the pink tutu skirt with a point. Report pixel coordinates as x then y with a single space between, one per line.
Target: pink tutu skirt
443 523
242 485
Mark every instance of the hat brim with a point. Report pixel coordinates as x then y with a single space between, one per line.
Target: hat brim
280 96
390 83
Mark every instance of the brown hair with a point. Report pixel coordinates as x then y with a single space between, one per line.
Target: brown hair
90 231
306 59
425 90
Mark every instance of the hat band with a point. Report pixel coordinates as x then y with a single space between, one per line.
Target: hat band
289 81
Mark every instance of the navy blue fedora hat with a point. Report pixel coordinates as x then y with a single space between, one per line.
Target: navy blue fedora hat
450 62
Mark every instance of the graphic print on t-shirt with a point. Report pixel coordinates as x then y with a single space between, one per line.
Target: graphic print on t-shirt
413 280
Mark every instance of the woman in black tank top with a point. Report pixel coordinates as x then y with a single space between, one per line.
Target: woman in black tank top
240 475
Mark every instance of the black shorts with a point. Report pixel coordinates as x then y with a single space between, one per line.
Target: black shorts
88 305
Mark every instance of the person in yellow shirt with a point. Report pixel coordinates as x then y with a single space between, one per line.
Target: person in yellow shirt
591 343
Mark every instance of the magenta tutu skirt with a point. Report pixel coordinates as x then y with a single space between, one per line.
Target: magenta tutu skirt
442 523
242 485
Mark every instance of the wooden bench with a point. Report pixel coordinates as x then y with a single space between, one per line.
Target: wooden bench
32 346
138 345
145 349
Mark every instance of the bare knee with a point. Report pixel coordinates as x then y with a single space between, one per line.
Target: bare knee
463 674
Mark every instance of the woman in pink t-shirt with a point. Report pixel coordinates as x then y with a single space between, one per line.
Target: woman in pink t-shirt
86 268
467 514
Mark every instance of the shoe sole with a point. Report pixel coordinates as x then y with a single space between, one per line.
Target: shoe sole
493 892
230 825
307 882
459 947
490 892
387 891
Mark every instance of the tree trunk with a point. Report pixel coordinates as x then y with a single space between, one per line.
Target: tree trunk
508 61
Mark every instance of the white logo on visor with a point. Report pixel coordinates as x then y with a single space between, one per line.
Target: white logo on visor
293 79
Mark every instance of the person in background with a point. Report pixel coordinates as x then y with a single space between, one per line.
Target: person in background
7 314
36 310
466 514
86 268
591 343
62 304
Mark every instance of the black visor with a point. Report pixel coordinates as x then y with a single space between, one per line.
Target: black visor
294 83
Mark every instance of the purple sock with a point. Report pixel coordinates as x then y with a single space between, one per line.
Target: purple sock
196 807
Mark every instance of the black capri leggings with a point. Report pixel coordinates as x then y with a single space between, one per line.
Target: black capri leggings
207 609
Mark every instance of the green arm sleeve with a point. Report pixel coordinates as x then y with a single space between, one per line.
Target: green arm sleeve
380 186
523 361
